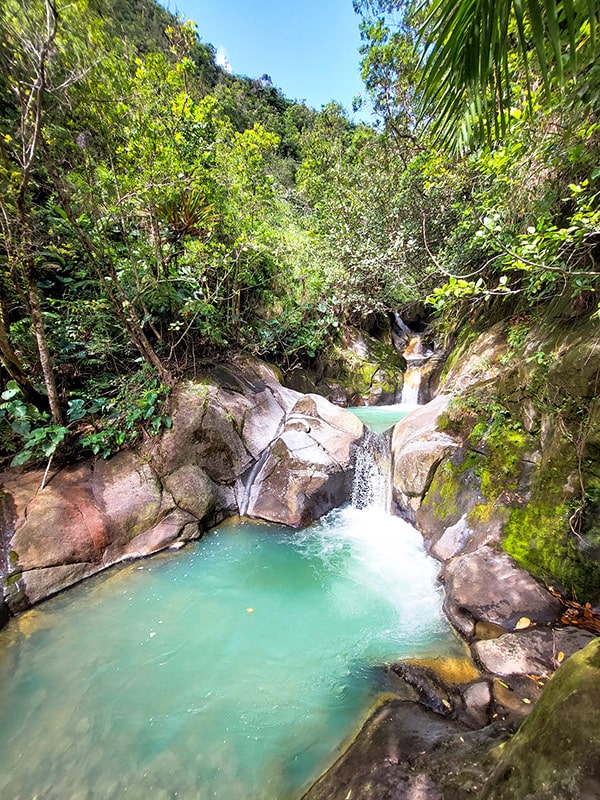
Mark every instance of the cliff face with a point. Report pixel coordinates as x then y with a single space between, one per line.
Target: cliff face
514 451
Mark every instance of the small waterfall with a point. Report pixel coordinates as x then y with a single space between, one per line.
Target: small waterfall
412 385
372 472
416 355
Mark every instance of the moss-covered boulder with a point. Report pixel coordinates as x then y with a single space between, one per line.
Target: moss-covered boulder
556 753
361 371
526 475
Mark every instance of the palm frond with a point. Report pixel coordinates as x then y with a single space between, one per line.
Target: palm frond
466 86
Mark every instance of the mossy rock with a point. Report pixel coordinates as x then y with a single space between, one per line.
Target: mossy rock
367 370
555 755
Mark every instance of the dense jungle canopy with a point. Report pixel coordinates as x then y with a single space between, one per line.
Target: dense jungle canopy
158 213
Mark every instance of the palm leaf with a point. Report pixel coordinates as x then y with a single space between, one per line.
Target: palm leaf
466 45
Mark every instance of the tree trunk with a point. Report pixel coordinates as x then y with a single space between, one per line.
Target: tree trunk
37 325
103 265
14 369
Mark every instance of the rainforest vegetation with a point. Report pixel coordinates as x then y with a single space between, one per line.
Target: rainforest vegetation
158 213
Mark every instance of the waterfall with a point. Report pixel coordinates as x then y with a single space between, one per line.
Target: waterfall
412 385
372 472
416 355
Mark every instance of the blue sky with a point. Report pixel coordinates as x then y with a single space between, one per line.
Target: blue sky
308 47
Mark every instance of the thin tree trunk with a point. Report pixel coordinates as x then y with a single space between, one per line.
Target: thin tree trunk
14 368
37 325
103 265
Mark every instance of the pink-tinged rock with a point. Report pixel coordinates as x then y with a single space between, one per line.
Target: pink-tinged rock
62 524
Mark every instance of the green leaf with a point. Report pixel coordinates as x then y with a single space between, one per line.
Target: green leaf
21 458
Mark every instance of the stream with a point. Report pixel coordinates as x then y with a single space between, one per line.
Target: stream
234 669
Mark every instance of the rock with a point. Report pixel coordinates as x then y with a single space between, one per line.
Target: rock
531 652
487 585
38 584
224 425
308 469
178 526
452 541
475 361
243 431
192 490
376 766
555 755
62 524
363 371
128 493
514 696
477 699
417 450
85 519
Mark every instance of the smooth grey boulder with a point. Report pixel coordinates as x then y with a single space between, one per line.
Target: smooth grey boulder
452 541
418 448
488 585
223 423
308 469
530 652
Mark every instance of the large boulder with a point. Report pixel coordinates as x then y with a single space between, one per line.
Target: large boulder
488 585
308 469
362 370
377 765
223 423
418 448
85 519
555 755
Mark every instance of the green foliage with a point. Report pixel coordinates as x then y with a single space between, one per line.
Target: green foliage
472 50
137 407
33 430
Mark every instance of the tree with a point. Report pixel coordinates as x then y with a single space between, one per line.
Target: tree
36 74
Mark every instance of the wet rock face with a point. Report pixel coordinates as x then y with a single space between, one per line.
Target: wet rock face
361 371
530 652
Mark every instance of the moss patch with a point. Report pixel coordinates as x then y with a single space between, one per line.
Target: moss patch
556 753
538 537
